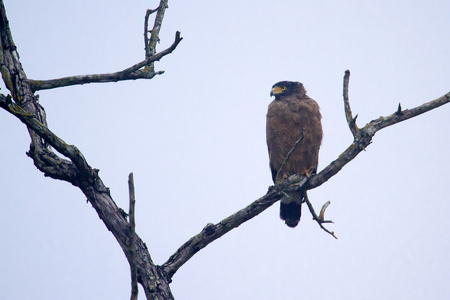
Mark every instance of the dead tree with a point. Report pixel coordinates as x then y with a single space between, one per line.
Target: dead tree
23 103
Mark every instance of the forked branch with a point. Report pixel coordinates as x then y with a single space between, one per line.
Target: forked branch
131 73
23 104
142 70
320 219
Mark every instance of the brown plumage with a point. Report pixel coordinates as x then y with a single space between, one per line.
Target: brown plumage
291 113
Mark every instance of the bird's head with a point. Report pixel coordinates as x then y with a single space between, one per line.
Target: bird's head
287 88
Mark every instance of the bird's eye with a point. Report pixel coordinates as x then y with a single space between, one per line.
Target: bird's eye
283 88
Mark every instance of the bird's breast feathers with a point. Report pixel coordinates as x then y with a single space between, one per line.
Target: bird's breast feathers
294 110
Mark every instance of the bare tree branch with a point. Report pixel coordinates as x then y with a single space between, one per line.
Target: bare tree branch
130 73
15 78
34 124
133 268
348 112
92 78
98 195
150 47
212 232
156 57
365 135
146 31
25 106
295 182
319 218
322 212
154 38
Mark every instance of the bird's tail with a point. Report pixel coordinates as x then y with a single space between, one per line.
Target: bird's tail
291 208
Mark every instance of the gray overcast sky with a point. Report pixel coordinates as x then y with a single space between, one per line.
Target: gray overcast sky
195 140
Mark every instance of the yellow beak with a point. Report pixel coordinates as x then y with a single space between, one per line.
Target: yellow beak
276 90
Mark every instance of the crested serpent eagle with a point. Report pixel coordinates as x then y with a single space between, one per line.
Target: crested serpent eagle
294 135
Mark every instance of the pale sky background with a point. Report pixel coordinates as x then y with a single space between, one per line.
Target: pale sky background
195 140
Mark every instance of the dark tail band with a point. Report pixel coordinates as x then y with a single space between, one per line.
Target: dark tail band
291 212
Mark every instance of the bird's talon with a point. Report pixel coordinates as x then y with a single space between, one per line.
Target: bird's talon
309 172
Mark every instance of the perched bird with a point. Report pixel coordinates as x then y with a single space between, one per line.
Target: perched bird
294 135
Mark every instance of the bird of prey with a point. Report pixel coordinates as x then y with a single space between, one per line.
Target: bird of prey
294 135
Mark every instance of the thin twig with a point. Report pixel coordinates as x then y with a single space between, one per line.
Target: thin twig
132 259
399 109
322 212
286 159
156 57
348 112
316 218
